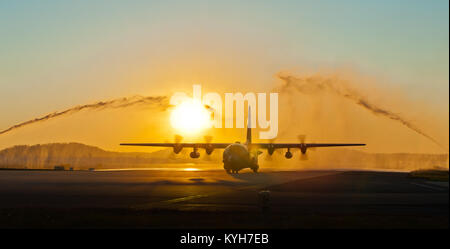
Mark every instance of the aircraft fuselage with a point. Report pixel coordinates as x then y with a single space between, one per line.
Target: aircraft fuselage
237 156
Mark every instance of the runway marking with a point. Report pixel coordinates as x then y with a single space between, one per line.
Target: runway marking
187 198
439 184
193 197
427 186
167 202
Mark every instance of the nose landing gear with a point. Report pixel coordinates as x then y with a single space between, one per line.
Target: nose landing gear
236 171
231 171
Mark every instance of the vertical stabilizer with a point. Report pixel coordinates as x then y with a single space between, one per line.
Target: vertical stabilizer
249 127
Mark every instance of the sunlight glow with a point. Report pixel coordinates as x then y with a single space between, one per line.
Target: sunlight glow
190 169
190 117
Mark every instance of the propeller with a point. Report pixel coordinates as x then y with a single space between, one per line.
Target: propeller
177 148
209 149
208 139
178 139
269 157
303 156
301 138
170 155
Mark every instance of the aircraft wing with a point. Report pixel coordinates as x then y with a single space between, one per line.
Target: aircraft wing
300 145
184 145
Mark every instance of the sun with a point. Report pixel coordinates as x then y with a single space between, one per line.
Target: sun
190 117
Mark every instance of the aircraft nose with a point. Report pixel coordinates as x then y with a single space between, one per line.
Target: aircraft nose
228 159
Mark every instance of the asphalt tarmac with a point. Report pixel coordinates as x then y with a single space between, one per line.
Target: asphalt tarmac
214 199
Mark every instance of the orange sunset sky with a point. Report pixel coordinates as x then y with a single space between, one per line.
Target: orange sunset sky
59 54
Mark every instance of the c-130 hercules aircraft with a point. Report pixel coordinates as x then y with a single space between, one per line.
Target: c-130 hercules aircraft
237 156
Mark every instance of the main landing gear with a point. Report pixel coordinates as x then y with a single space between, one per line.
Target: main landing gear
230 171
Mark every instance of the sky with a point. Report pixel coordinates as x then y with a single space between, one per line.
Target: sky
57 54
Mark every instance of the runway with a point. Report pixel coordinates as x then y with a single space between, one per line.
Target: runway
213 199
